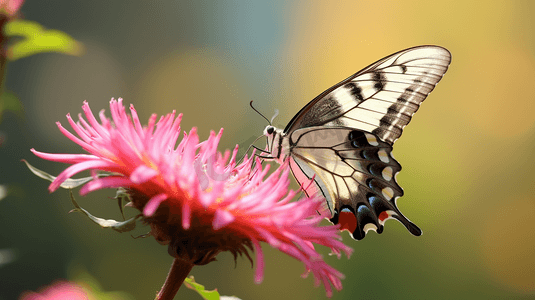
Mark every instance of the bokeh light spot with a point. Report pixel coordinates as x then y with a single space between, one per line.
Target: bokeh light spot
508 244
3 191
199 83
497 96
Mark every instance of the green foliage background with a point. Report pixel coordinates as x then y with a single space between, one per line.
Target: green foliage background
467 155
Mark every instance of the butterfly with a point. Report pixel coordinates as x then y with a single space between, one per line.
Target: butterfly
341 141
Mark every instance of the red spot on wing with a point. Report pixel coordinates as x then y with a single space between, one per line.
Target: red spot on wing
347 220
383 216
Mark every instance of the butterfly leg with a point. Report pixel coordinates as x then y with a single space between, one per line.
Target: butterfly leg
249 148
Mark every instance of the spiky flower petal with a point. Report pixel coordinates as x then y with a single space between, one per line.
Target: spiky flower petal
195 199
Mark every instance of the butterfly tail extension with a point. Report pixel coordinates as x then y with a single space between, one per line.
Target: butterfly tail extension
358 170
415 230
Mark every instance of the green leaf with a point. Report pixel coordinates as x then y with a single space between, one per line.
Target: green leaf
199 288
67 184
207 295
37 39
124 226
122 196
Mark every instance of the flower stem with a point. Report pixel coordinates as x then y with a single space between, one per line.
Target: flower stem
178 272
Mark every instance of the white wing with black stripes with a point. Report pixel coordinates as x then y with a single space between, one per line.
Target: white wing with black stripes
382 97
343 138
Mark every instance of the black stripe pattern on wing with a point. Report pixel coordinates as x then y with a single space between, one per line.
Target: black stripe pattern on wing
359 172
382 97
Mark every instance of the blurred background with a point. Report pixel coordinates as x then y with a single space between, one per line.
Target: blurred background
468 170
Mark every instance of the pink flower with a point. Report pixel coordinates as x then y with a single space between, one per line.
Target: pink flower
58 291
195 199
11 7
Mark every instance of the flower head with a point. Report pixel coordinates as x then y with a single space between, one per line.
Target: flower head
59 291
195 199
10 7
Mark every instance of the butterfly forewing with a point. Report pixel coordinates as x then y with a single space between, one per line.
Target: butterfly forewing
382 97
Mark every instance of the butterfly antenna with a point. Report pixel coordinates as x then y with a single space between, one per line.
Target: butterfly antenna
251 104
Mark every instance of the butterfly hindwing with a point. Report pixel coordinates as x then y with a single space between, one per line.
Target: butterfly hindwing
354 168
382 97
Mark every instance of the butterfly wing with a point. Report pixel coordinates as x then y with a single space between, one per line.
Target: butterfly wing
382 97
343 138
354 171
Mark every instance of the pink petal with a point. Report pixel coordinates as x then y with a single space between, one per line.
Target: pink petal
64 158
82 133
259 271
135 120
272 241
107 182
93 121
153 204
13 6
186 215
76 168
70 136
222 218
142 174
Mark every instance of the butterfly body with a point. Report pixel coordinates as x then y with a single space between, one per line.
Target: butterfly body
343 138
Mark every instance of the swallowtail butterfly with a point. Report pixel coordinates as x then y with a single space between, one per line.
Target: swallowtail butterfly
343 138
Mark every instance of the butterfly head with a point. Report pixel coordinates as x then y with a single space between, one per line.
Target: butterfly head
277 144
269 130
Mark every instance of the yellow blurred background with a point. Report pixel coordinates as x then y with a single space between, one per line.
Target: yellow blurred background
468 174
